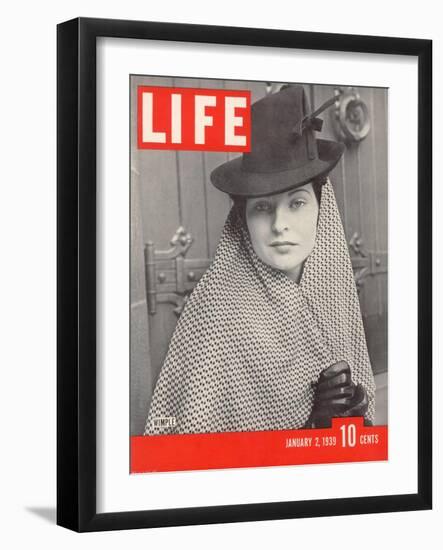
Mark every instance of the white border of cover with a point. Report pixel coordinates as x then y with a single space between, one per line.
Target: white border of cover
117 490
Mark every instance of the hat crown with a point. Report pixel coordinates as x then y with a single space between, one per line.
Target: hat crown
278 140
284 151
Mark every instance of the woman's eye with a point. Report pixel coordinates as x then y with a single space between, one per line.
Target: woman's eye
262 207
297 203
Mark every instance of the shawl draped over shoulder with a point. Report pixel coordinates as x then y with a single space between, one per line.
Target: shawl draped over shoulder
251 341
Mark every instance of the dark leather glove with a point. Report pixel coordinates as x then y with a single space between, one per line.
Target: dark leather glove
336 395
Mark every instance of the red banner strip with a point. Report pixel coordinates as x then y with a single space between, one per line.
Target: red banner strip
348 440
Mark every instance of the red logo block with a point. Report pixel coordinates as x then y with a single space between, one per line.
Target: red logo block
193 119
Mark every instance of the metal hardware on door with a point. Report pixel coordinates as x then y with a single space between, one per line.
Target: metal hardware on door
170 277
365 262
352 120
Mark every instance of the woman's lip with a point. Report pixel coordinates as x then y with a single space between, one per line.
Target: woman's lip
282 243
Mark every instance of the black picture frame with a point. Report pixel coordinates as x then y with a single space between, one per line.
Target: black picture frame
76 280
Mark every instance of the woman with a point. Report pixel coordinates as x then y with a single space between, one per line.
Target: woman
272 336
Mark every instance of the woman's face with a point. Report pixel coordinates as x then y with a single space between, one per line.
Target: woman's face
282 228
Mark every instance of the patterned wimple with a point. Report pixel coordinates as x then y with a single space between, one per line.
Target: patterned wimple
250 341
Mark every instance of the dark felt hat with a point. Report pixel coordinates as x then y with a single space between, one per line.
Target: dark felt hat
284 151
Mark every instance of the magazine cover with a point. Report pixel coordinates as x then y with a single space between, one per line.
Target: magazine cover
258 272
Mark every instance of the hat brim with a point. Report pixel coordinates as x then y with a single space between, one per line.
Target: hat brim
231 178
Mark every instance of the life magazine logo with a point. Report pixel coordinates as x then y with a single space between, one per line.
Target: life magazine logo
193 119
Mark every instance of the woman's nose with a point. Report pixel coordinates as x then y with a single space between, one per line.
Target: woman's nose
279 221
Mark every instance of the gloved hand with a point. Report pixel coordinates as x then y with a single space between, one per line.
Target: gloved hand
336 395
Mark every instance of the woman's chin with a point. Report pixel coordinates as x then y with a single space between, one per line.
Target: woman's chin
285 262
